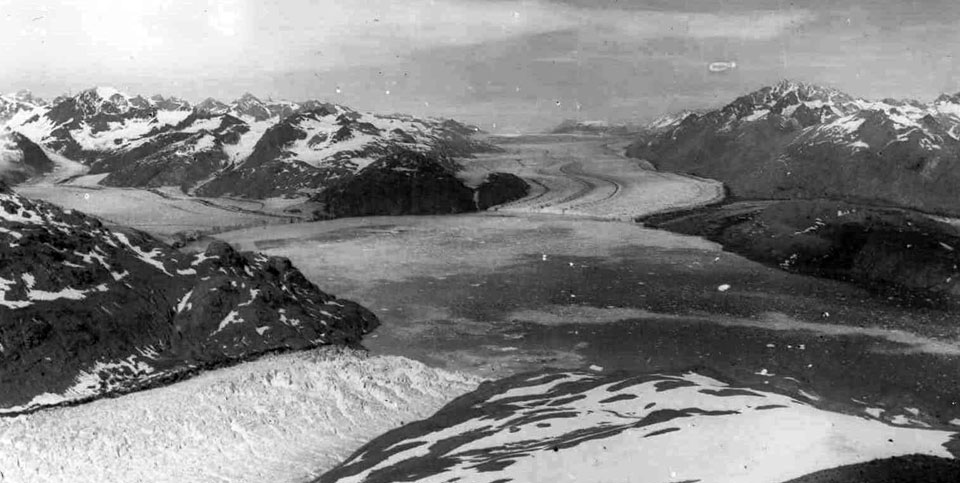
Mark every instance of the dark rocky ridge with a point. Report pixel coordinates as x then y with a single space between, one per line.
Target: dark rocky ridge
411 183
88 109
266 173
900 469
499 188
87 312
172 157
401 183
898 252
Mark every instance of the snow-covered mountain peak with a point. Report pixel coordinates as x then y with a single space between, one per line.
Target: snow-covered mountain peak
106 100
806 103
248 98
211 106
794 139
107 92
806 91
169 103
249 106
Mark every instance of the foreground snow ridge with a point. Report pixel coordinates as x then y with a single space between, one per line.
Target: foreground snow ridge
283 418
582 427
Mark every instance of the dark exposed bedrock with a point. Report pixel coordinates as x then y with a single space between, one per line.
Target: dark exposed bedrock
896 252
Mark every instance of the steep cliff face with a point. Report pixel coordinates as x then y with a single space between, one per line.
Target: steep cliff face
86 311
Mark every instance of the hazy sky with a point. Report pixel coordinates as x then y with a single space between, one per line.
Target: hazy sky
521 64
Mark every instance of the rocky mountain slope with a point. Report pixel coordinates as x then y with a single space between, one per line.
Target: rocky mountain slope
584 427
21 158
249 147
86 311
311 148
901 253
798 140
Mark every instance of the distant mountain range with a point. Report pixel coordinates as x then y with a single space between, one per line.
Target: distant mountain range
796 140
572 126
86 311
605 128
247 147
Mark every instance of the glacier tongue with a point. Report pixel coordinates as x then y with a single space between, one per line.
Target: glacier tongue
281 418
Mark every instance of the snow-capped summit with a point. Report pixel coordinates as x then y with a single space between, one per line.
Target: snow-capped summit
105 100
252 109
953 98
169 103
794 139
249 106
107 92
806 103
281 109
211 106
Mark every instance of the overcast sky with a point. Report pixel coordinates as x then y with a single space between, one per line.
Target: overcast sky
524 65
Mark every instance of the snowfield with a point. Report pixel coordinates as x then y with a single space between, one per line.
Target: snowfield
581 427
282 418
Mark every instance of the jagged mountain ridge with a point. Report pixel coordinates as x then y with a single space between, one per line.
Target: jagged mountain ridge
314 147
86 311
800 140
277 147
15 103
